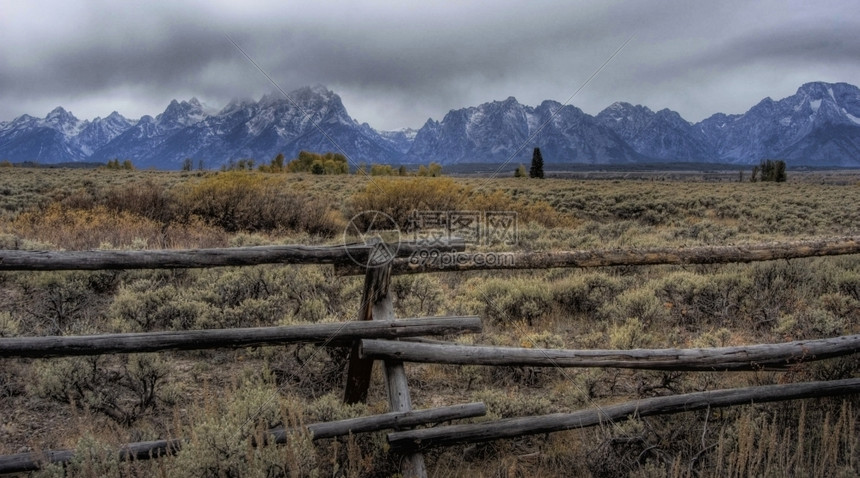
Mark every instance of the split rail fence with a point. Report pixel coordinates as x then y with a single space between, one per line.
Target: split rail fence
378 335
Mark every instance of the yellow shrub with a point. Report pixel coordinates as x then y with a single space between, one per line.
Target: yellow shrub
399 197
243 201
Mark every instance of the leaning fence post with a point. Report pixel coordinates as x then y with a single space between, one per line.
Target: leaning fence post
376 281
376 304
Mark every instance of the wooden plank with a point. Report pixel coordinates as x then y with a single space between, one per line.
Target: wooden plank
751 357
24 462
522 426
624 257
13 260
344 333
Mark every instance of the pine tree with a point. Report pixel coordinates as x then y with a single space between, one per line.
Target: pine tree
536 170
771 170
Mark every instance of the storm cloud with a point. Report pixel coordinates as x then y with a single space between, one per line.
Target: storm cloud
395 65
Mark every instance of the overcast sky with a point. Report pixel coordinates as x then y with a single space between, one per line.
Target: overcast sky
395 64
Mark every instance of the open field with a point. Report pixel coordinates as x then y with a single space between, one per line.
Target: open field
210 395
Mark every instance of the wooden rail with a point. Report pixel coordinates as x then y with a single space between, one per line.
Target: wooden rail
750 357
522 426
24 462
463 261
347 256
354 254
337 333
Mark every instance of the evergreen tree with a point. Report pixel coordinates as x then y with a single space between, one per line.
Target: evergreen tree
277 164
771 170
536 170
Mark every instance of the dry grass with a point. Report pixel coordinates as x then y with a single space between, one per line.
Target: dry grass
663 306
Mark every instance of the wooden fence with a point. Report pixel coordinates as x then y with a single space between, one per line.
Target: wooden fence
378 335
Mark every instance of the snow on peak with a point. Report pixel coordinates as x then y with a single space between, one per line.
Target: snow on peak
64 122
815 104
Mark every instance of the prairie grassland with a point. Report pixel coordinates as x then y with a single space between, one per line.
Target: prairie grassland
222 399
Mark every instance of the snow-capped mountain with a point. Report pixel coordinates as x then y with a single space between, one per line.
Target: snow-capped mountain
819 125
100 132
49 139
140 141
663 135
312 119
401 140
507 131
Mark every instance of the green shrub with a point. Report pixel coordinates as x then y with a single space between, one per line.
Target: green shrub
585 293
502 404
221 436
328 163
9 326
776 287
639 304
630 335
59 301
123 389
330 407
810 323
514 299
417 295
717 298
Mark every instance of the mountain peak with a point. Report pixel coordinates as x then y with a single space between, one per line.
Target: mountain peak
311 93
58 111
619 105
815 88
64 121
321 89
181 114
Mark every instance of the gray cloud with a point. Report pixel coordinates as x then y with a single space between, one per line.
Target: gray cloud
396 66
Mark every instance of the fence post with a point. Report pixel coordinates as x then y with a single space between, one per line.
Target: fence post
376 281
376 304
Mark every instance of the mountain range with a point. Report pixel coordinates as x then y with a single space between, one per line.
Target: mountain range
817 126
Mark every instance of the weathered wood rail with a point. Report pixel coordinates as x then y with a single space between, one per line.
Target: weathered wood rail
353 254
450 257
522 426
468 261
342 333
750 357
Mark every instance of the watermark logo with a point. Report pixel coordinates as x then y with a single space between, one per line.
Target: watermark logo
437 229
435 232
475 228
375 229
